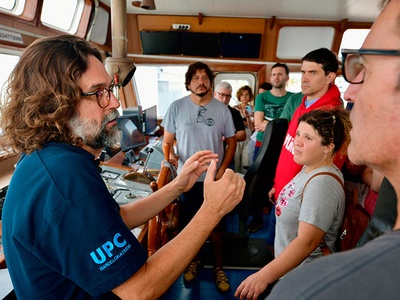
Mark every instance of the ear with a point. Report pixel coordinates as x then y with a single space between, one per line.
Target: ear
330 78
329 148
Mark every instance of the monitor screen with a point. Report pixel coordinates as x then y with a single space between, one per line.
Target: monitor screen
150 119
200 44
246 45
154 42
132 134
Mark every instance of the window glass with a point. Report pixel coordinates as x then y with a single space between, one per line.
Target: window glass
353 39
15 7
160 86
295 41
236 80
71 12
7 63
8 4
99 27
294 83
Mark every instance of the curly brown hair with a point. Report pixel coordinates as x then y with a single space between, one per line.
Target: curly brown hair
192 69
42 93
332 125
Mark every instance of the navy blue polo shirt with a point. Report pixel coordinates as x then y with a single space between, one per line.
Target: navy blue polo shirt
63 236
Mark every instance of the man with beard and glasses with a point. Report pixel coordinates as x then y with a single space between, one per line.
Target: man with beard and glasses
64 236
199 122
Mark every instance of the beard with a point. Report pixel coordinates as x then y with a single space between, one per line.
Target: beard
203 93
95 136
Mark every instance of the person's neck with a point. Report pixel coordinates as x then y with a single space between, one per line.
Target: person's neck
278 92
95 152
201 101
318 95
324 163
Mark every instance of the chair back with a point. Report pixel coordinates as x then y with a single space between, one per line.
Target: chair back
261 173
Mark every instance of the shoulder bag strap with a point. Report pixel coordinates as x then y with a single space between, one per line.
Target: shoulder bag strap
321 173
324 247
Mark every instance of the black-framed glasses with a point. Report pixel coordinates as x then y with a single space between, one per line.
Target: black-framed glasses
224 95
103 96
352 62
200 112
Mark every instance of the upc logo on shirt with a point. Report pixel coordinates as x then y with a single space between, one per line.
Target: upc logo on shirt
106 250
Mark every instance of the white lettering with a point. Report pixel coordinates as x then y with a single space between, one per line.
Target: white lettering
288 143
11 36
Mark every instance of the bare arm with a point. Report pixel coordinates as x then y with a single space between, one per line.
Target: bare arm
308 239
259 122
250 123
139 212
164 267
240 135
228 156
170 138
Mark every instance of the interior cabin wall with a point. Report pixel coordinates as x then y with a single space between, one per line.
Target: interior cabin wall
269 29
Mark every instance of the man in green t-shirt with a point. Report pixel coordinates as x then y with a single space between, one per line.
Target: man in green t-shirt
269 105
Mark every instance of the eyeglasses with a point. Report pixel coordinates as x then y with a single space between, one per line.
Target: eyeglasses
103 97
352 62
200 112
224 95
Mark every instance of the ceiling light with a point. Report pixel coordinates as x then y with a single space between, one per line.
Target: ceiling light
148 4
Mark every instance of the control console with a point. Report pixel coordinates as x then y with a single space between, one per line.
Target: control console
123 190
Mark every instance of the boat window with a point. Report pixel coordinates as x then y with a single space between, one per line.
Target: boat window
7 63
236 80
15 7
295 41
294 83
353 39
160 86
72 12
99 26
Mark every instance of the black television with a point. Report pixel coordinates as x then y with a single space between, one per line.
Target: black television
154 42
132 134
150 125
200 44
243 45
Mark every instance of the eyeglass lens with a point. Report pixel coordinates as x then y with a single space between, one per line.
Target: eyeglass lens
104 97
224 95
353 66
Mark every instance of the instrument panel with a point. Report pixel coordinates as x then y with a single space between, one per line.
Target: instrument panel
124 191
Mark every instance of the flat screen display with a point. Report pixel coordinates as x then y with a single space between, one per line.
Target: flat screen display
154 42
132 134
150 119
200 44
240 45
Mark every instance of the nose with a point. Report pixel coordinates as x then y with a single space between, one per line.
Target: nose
114 101
297 141
351 92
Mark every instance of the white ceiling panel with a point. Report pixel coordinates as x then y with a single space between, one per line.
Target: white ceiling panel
354 10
